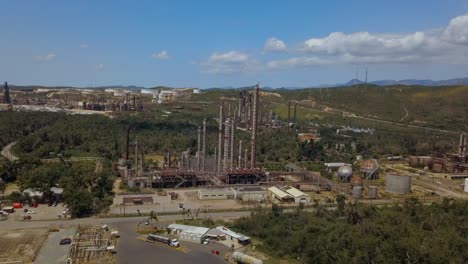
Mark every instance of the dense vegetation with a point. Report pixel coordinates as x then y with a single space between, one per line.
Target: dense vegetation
354 233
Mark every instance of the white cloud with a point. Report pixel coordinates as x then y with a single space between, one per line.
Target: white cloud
298 62
432 46
163 55
229 62
84 45
274 44
47 57
229 57
100 66
457 30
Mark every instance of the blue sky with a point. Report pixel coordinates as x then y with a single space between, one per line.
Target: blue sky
230 43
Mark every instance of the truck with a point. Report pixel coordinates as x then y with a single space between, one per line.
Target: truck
171 242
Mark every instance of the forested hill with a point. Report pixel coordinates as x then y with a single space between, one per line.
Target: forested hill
443 107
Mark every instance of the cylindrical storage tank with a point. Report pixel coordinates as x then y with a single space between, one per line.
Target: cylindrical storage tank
413 161
357 192
131 183
373 192
397 183
466 185
356 181
344 173
245 259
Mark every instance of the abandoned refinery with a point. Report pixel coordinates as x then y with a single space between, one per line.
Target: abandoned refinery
227 132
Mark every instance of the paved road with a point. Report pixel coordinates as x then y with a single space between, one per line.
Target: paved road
52 252
11 224
6 152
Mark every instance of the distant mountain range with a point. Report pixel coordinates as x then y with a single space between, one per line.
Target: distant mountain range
456 81
449 82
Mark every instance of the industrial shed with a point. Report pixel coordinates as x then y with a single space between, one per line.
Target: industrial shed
278 195
231 235
299 197
215 194
256 194
188 233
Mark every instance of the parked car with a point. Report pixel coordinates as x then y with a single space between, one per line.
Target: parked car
31 212
206 241
65 241
3 213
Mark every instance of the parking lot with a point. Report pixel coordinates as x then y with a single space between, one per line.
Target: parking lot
133 250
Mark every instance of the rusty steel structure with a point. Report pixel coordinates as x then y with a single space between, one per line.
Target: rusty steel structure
253 154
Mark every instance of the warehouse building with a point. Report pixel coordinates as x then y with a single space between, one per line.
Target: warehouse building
188 233
231 235
247 194
215 194
277 195
299 197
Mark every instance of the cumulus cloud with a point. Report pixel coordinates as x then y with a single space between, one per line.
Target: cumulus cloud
84 46
447 45
274 44
100 66
457 30
47 57
163 55
229 62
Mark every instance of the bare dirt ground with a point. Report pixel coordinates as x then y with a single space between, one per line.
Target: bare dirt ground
21 244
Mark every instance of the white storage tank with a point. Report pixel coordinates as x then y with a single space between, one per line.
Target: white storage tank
466 185
357 192
397 183
373 192
344 173
245 259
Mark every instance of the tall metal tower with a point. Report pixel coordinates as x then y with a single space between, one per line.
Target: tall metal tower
253 154
6 94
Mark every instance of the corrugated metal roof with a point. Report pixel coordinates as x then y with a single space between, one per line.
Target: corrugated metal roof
295 192
189 229
280 193
231 233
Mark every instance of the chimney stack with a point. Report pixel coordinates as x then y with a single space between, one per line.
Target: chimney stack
204 146
220 137
253 154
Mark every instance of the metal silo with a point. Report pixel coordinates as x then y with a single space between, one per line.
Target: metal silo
397 183
357 192
344 173
373 190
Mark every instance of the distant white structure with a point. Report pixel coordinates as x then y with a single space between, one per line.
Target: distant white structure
466 185
187 232
196 91
167 96
149 91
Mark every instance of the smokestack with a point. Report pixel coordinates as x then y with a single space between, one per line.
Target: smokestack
461 147
289 114
231 155
226 144
246 158
6 94
220 137
128 143
253 154
204 146
215 158
295 116
198 148
239 162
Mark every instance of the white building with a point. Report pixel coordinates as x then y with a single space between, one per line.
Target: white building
215 194
188 233
231 235
277 195
299 197
255 194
